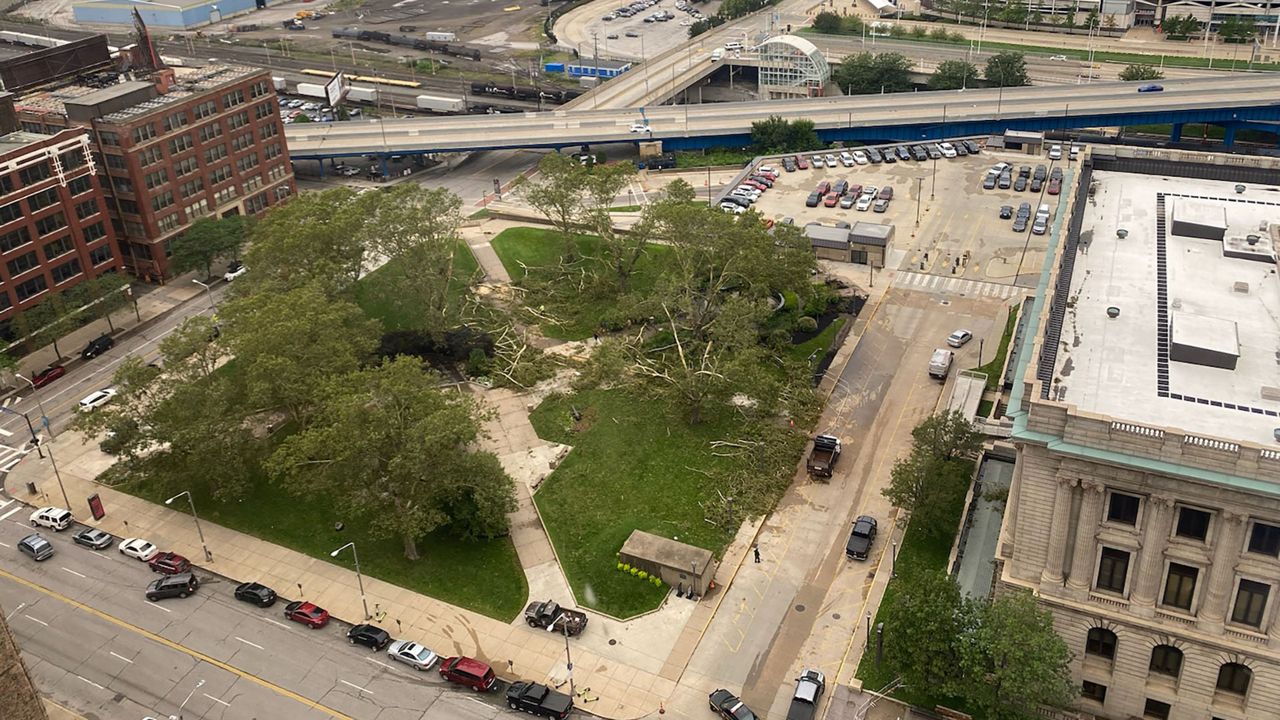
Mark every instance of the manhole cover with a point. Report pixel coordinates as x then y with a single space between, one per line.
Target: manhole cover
945 302
613 642
799 608
835 616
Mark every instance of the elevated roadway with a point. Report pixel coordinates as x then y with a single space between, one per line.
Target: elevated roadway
1229 101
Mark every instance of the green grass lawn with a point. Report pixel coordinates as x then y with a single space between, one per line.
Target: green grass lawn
626 208
540 250
816 346
630 469
482 576
376 305
993 367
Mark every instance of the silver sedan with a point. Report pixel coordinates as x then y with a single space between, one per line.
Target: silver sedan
412 654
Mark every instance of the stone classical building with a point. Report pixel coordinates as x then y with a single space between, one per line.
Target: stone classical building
1145 506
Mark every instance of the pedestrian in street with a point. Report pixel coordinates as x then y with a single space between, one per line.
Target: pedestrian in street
756 549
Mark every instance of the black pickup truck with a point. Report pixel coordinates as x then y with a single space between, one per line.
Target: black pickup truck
538 699
823 456
550 616
804 702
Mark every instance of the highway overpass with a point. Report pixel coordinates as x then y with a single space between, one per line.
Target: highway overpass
1230 101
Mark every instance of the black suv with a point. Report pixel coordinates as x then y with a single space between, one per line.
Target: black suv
813 199
256 593
371 636
902 152
97 346
861 538
180 585
841 187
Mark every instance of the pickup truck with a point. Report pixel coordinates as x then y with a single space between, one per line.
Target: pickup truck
823 456
804 702
538 699
861 538
550 616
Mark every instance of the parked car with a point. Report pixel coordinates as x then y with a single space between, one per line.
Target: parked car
861 538
36 547
902 152
831 199
732 208
256 594
889 156
1036 185
973 147
97 346
989 182
55 518
959 338
370 636
880 205
814 198
804 701
551 616
94 538
179 585
469 672
961 149
947 149
139 549
1055 152
1006 212
847 201
830 160
169 563
1020 224
789 164
846 159
801 163
729 706
538 699
933 151
1055 186
864 203
874 156
817 161
886 193
96 399
1019 184
1040 173
860 157
823 188
841 187
1006 180
1040 226
416 656
307 613
47 375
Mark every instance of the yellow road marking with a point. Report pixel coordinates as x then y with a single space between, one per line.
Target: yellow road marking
175 646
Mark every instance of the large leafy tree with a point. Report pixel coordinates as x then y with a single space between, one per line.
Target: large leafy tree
931 481
947 435
391 446
922 627
1237 28
1007 69
207 240
1180 27
560 193
778 135
953 75
866 73
1013 661
1140 72
317 238
827 22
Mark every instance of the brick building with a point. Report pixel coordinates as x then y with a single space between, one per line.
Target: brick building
1144 511
54 228
175 146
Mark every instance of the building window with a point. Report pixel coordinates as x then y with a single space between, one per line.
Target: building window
214 154
127 206
6 184
255 204
82 184
115 162
1234 678
72 159
222 174
141 251
265 109
1180 586
205 109
182 143
1251 603
59 247
108 138
150 156
54 222
224 195
239 120
175 121
283 192
247 162
198 209
29 289
189 188
65 271
1166 660
1101 642
233 98
144 132
1123 509
1113 568
258 89
88 208
1264 539
16 239
33 174
276 172
93 232
210 132
186 167
5 301
157 178
168 222
121 185
242 141
100 254
23 263
273 150
1193 524
43 199
10 212
162 201
1093 691
1156 709
269 130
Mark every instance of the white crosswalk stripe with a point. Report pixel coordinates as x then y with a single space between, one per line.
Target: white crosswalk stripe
956 286
10 456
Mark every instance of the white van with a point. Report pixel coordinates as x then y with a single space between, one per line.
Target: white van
732 46
717 54
940 363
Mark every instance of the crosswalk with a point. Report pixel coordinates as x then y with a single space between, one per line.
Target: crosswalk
956 286
10 456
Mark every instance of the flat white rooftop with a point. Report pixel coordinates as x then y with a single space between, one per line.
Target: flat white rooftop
1120 366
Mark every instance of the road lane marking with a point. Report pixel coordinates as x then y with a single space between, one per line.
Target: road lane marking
277 622
246 642
122 657
159 607
344 682
91 682
5 433
9 514
73 572
379 662
36 620
6 544
7 503
175 646
15 612
224 703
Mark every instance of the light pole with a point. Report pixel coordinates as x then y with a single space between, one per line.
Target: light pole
567 658
208 291
44 420
919 191
199 684
359 579
208 556
34 440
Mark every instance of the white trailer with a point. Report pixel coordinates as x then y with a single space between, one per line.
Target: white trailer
311 90
279 84
362 94
442 37
439 103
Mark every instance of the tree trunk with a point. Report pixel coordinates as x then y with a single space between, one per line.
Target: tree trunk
410 547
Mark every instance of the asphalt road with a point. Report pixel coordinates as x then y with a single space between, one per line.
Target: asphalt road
94 644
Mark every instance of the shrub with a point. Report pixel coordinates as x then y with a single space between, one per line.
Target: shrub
622 566
635 571
657 581
807 324
643 575
477 361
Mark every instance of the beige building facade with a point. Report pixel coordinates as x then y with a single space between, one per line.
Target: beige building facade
1144 511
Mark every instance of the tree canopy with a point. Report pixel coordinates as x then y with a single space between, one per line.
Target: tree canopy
1140 72
775 135
1006 69
865 73
207 240
934 477
953 75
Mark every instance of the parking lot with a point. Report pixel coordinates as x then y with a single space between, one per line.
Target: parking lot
631 37
945 222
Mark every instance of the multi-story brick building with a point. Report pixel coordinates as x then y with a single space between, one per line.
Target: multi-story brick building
54 228
181 144
1145 506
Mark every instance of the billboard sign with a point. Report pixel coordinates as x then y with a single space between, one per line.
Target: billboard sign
335 89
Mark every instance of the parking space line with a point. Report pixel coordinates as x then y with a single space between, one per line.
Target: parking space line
73 572
224 703
379 662
91 682
5 544
38 620
121 657
7 503
276 622
246 642
344 682
159 607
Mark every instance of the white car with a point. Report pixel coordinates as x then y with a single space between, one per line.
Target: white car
846 159
830 160
139 548
97 399
860 157
864 202
870 191
1058 58
412 654
732 207
1075 151
1055 152
236 268
948 150
959 338
766 169
817 161
639 127
54 518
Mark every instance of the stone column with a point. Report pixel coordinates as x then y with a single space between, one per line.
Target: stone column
1221 575
1082 569
1061 522
1146 580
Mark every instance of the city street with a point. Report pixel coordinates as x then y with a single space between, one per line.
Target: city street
94 644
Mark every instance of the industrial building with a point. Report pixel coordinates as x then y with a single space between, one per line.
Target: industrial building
172 15
1144 511
864 243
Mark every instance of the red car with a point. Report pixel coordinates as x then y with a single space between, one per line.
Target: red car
1055 186
309 614
831 199
169 563
48 375
756 184
824 187
801 162
466 671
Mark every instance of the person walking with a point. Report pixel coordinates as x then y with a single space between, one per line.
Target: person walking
756 550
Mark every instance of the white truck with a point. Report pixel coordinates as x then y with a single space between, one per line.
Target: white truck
311 90
441 103
442 37
278 83
362 94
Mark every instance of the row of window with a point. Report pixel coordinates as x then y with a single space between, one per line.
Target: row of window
30 288
1180 583
1193 523
1166 660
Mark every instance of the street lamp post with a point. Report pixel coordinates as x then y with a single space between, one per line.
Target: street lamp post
199 684
208 556
31 428
567 658
359 579
44 420
208 291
